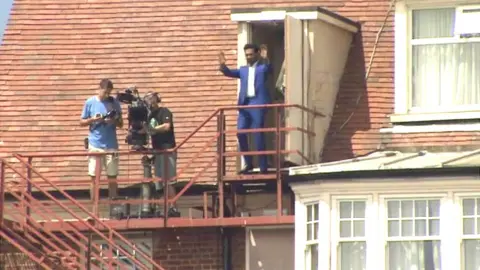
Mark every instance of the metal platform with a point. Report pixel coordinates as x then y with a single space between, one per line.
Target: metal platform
156 223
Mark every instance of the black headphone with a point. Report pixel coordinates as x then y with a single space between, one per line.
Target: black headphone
155 94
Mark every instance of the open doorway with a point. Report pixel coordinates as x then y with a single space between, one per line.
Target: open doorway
272 34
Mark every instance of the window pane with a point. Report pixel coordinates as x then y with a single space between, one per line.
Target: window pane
359 209
420 227
422 255
434 208
407 209
445 75
434 227
315 211
312 257
309 212
393 209
478 207
359 228
352 256
394 228
345 209
407 228
345 228
471 251
468 207
309 231
315 230
478 225
468 226
421 208
433 23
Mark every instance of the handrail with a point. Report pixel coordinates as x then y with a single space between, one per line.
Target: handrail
220 112
94 217
185 140
34 204
14 242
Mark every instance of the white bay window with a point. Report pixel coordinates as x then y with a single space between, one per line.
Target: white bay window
401 231
471 233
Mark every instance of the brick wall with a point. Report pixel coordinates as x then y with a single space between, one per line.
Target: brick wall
48 68
196 248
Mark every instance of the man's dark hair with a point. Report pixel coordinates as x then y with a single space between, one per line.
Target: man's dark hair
106 84
251 46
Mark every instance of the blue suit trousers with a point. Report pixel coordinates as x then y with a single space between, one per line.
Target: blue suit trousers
252 119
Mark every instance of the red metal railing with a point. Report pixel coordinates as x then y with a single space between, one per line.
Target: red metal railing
27 202
30 225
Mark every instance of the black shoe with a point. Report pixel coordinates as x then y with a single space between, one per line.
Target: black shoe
246 169
173 212
263 171
146 214
159 214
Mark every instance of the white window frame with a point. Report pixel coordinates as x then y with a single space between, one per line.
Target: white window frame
449 190
459 225
335 227
383 209
315 241
403 65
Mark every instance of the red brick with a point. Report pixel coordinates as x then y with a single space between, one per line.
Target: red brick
48 67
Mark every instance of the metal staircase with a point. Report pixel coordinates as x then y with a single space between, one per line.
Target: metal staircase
67 248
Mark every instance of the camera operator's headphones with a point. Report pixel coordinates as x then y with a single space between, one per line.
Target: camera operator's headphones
150 94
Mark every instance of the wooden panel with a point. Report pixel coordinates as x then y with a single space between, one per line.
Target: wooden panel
294 85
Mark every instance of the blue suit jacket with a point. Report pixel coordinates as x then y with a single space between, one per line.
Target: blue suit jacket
262 95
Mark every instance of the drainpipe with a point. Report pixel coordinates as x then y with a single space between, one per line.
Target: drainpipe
227 248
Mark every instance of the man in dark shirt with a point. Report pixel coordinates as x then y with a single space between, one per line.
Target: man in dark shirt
162 133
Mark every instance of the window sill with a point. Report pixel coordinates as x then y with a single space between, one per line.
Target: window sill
425 117
399 129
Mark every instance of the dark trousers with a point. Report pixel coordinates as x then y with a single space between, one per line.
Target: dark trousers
251 119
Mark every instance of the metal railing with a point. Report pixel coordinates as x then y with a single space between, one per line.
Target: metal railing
31 226
28 202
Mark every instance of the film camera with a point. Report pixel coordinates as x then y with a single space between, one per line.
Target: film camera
137 117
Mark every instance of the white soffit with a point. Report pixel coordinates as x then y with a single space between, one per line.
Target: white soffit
279 15
393 160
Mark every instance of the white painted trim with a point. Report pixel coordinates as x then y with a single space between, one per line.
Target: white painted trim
280 15
307 192
432 128
324 228
450 40
335 228
440 116
402 81
438 3
300 234
401 63
247 249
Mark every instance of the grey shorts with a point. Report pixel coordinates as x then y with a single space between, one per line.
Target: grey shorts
165 166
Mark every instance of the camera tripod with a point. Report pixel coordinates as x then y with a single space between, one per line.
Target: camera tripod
148 190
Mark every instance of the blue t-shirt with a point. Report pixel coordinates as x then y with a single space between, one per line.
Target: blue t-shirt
102 135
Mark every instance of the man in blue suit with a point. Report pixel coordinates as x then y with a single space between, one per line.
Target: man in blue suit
253 91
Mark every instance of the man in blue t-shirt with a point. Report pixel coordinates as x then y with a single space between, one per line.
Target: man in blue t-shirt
103 132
